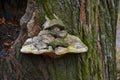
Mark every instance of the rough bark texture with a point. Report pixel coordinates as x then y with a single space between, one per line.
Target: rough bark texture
94 21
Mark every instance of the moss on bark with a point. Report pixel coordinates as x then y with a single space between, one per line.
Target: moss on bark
94 21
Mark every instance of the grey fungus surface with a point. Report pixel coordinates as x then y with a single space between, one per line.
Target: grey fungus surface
53 39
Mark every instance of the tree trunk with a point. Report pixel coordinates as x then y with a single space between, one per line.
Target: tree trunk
93 21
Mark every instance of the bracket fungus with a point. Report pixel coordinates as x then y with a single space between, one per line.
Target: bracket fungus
53 39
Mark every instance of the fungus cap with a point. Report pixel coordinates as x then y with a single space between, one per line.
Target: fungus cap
53 23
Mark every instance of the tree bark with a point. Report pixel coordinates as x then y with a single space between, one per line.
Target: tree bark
94 21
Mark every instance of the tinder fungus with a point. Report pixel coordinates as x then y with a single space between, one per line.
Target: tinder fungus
53 39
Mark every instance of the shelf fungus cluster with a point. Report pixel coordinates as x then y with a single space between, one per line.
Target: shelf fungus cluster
53 39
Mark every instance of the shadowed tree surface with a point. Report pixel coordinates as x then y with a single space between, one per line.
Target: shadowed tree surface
93 21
